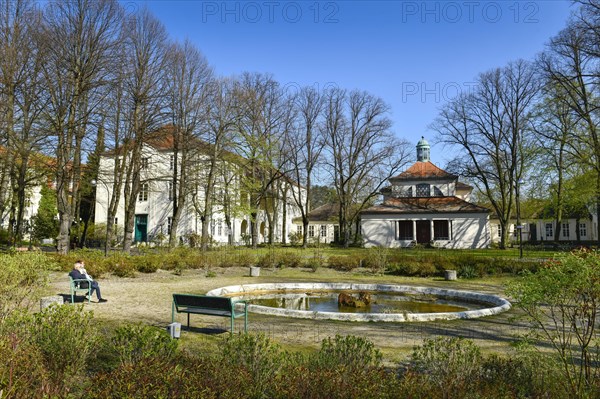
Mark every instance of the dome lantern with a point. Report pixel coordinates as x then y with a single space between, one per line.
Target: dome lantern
423 150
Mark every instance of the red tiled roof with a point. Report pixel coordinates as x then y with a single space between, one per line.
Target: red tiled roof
424 170
425 205
324 213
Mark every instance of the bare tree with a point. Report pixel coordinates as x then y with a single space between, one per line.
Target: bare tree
489 126
79 39
221 125
145 51
305 145
571 64
553 124
21 102
362 152
188 77
262 122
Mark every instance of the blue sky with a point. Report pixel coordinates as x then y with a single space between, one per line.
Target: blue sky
415 55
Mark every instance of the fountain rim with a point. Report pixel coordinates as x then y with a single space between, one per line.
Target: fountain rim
497 303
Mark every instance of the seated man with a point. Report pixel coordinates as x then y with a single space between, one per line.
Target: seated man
79 273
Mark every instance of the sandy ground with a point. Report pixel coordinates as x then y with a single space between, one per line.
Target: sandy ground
146 298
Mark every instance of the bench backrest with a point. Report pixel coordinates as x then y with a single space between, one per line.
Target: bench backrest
203 301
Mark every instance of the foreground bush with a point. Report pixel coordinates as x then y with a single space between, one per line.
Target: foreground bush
55 346
565 293
22 277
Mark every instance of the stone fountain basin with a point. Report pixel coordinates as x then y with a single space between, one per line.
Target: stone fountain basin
495 304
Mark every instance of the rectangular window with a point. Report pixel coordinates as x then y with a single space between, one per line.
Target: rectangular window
405 230
549 230
143 195
323 230
423 190
311 231
582 229
170 190
565 230
144 163
299 229
116 221
441 230
212 227
172 162
169 224
219 227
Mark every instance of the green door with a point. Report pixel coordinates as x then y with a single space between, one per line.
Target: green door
141 228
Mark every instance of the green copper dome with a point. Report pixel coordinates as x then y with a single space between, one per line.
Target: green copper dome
423 148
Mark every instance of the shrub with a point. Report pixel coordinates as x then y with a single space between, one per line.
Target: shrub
450 364
354 354
343 263
255 355
290 259
132 343
22 372
565 292
315 262
267 261
295 238
22 278
120 264
414 267
67 339
377 259
147 264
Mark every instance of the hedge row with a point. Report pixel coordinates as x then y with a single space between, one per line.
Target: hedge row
377 260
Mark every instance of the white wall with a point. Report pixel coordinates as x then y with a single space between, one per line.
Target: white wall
468 230
159 207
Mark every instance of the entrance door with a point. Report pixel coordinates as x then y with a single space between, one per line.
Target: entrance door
141 228
423 231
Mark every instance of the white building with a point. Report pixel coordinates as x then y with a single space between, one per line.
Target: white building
154 206
426 205
323 225
544 230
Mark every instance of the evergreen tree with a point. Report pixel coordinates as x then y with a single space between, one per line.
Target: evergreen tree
45 222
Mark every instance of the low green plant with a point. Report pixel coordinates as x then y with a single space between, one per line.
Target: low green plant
450 364
256 355
132 343
67 339
565 293
22 278
120 264
377 259
354 354
343 263
22 371
295 238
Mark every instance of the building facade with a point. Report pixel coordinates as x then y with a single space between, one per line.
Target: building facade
428 206
154 205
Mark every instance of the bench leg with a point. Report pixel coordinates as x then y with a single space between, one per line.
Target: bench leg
188 321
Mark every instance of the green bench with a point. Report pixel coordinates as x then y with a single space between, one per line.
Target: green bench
77 286
209 305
